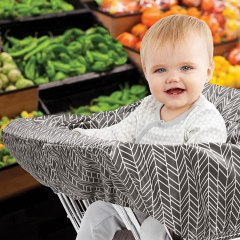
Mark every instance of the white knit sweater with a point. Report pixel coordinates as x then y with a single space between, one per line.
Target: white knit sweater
201 123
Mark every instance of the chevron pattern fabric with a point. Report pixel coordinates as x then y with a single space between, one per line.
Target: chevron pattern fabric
193 189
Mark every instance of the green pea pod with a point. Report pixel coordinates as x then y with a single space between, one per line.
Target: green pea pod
113 55
80 69
59 76
66 7
57 48
97 56
41 80
121 60
137 89
75 48
101 30
13 40
61 67
89 57
108 100
80 110
116 95
115 106
30 68
82 60
103 48
42 45
39 58
95 108
90 31
98 66
34 11
97 38
50 69
125 94
25 50
104 106
118 48
65 58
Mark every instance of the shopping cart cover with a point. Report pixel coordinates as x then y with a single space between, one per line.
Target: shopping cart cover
193 189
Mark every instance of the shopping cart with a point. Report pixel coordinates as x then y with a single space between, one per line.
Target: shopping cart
205 205
75 210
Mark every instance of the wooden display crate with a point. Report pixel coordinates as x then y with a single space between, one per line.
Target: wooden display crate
14 180
14 102
135 57
115 24
223 49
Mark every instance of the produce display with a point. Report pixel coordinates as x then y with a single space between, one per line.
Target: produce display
126 95
47 58
5 157
118 7
10 76
26 8
234 56
225 74
223 19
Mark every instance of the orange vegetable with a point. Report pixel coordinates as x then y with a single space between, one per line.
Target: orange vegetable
151 15
139 30
138 45
193 11
207 5
127 39
234 56
178 10
217 38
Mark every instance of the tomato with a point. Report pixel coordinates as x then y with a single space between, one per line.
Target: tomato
178 10
127 39
234 56
207 5
139 30
217 38
221 19
151 15
193 11
138 45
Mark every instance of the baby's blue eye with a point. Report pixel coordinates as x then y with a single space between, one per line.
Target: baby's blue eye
186 68
160 70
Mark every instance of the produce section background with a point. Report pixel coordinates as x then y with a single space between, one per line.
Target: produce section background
81 61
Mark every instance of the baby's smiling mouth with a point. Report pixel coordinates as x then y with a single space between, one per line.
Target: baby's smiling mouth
175 91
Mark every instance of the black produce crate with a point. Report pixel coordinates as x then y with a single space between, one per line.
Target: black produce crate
84 19
71 93
12 22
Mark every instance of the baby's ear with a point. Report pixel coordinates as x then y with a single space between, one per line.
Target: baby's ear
210 71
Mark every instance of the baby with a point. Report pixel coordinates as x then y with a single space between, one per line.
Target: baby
177 60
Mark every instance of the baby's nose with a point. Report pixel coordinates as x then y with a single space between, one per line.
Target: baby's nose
172 78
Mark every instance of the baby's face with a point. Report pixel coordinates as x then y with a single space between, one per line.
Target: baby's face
177 76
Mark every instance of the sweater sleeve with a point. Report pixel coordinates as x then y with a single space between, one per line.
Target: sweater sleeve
124 131
207 126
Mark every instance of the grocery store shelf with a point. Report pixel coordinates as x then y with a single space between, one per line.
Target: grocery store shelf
79 8
61 96
13 102
85 77
115 24
14 180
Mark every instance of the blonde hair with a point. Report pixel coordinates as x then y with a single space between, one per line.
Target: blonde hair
173 29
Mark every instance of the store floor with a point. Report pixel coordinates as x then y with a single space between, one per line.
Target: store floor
36 215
